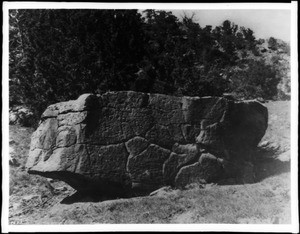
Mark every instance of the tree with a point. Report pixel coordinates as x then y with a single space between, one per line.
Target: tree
225 35
64 53
164 36
15 57
255 79
272 43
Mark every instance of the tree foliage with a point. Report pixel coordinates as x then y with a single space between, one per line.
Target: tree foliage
58 54
256 79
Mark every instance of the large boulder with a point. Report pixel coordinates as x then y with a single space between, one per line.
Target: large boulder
123 141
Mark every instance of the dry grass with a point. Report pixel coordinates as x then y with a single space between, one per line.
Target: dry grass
266 202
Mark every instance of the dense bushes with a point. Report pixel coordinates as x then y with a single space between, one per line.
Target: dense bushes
255 79
56 55
64 53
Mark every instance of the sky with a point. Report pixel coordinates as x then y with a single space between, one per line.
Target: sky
264 23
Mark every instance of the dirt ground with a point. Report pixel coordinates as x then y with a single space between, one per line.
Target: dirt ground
37 200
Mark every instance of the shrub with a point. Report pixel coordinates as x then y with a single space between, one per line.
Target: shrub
256 80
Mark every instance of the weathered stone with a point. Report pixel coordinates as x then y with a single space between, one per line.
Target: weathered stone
210 166
66 137
160 135
211 136
247 122
182 155
45 135
129 140
189 174
204 171
171 167
190 132
136 145
71 118
191 149
238 129
147 167
109 160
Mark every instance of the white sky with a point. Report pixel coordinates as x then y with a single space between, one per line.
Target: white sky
264 23
265 19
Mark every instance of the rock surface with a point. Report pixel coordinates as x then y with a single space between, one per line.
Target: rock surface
123 141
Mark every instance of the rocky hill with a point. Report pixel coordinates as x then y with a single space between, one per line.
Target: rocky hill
276 53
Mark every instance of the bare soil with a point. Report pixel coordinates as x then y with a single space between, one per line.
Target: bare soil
37 200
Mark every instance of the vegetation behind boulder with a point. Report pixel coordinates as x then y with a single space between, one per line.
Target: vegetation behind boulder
56 55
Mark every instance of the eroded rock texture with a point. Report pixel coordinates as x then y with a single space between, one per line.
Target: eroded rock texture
122 141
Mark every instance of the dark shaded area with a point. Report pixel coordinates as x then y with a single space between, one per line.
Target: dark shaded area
267 164
270 167
98 195
91 197
93 189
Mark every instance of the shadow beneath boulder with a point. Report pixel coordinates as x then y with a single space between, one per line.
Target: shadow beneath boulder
271 161
267 162
81 197
269 167
89 197
95 196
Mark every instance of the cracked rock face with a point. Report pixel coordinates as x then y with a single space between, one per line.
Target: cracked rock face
123 141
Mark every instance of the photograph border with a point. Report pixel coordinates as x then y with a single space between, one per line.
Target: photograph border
293 227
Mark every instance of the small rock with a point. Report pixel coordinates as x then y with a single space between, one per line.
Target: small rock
51 180
63 188
30 197
263 144
50 188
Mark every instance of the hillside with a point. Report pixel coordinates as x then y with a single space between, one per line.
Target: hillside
278 55
271 58
37 200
